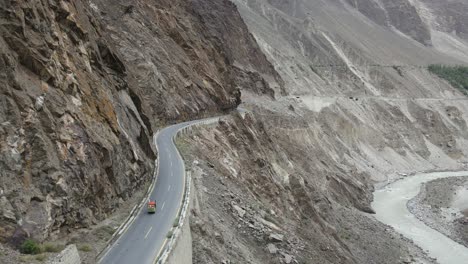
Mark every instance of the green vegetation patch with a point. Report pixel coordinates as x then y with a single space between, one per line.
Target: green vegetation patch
50 247
25 259
41 257
104 232
457 76
30 246
176 222
84 248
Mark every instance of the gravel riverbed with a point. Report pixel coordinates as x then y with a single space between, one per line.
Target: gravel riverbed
442 204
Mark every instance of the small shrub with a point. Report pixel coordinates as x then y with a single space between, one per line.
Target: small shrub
49 247
169 234
30 246
25 259
85 248
176 222
74 240
104 232
345 235
41 257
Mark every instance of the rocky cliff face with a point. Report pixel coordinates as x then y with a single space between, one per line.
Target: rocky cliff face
85 84
417 18
400 14
304 169
327 48
446 16
339 101
441 24
293 179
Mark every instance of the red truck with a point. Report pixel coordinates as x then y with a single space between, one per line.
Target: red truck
151 207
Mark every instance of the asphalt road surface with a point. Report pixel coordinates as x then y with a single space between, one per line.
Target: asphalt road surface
142 241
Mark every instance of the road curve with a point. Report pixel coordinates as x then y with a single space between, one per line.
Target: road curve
142 241
390 204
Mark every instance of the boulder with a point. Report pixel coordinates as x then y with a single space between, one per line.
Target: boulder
272 248
240 211
275 237
6 209
69 255
287 258
269 224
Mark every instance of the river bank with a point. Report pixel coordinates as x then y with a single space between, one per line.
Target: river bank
390 204
442 205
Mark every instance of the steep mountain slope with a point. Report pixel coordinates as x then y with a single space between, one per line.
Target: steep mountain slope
400 14
85 84
306 40
310 172
441 24
339 101
361 110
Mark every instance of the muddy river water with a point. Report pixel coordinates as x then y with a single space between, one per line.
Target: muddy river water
390 206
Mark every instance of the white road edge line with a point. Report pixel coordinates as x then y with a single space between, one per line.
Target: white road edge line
147 233
126 225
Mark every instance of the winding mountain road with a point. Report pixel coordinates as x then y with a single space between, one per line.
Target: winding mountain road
390 205
144 237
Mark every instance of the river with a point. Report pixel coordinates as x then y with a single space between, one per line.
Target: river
390 207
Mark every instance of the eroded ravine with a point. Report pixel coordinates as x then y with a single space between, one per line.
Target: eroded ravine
390 204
